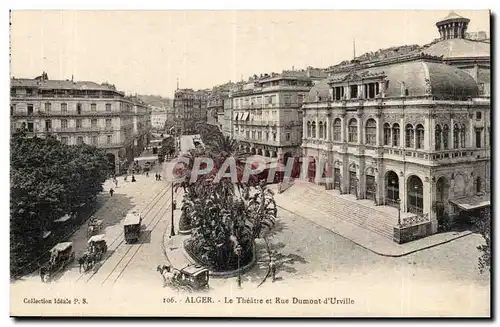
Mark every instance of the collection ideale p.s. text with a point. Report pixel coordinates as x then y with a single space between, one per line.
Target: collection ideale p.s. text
55 301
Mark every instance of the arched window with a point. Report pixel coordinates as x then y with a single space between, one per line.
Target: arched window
313 129
371 132
337 129
320 125
309 130
395 134
387 134
353 130
456 135
437 136
420 136
409 136
446 135
478 185
462 136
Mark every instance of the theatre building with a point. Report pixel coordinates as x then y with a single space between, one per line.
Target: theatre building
409 131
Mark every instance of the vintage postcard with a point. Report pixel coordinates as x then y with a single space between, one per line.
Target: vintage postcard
250 163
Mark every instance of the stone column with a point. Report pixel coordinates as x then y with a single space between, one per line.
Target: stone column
360 129
402 191
316 136
343 128
429 196
402 131
328 131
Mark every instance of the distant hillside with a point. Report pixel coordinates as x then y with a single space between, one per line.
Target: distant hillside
156 100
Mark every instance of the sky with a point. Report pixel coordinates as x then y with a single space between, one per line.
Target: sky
147 52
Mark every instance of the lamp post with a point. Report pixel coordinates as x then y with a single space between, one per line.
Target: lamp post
238 254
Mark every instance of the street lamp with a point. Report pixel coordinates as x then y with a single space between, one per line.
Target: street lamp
238 254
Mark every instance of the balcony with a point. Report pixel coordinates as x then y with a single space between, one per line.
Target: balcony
83 113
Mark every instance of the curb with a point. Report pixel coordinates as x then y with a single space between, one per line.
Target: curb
376 252
231 273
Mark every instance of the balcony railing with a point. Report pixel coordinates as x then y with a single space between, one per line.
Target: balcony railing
72 113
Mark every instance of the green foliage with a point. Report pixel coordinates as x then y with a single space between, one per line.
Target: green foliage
167 147
48 180
224 217
483 225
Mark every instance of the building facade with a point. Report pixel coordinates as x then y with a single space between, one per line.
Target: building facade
80 112
411 132
190 107
266 113
158 118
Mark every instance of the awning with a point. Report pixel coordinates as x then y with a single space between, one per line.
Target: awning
473 202
240 116
245 115
46 234
236 116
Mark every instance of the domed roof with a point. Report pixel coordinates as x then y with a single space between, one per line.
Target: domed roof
458 48
321 90
420 77
452 16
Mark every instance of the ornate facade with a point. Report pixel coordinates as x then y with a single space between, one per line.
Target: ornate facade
409 131
190 107
81 112
267 115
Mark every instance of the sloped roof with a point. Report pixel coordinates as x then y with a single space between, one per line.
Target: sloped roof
420 77
458 48
321 89
60 84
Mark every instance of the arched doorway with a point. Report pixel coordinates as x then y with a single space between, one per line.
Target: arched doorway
392 182
370 186
337 177
311 169
286 156
253 151
260 152
353 181
267 154
111 162
415 190
442 193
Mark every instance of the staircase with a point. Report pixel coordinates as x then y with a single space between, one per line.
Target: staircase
325 206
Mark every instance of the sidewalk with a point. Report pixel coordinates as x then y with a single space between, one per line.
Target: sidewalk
365 238
173 247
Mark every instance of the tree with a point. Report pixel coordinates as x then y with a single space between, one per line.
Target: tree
48 180
167 148
224 218
483 225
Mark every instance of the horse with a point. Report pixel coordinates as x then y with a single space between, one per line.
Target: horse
161 270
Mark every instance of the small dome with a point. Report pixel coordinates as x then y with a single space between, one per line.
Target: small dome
320 91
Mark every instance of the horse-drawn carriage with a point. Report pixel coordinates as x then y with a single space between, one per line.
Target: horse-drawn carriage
95 251
95 226
189 278
61 255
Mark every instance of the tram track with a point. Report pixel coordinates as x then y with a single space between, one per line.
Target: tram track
144 213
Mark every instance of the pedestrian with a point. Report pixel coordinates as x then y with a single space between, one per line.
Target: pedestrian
125 178
159 177
147 174
111 191
133 179
156 176
116 181
272 268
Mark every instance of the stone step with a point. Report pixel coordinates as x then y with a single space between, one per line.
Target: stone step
358 214
320 201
